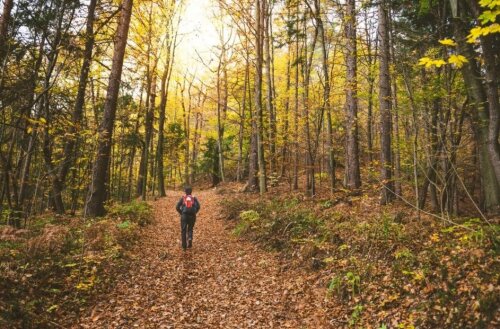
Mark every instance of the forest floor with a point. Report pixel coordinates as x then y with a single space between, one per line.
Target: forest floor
222 282
287 261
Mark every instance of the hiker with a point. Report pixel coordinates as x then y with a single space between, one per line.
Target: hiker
188 206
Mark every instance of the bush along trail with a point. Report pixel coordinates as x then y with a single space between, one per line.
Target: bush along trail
222 282
378 266
54 268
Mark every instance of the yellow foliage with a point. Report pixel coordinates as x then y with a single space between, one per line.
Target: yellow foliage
429 62
448 42
439 62
435 237
457 60
489 3
480 31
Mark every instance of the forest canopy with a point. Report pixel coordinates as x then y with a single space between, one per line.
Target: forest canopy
110 100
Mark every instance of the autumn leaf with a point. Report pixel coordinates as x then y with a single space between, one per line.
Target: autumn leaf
489 3
425 61
457 60
435 237
439 62
428 62
448 42
489 16
480 31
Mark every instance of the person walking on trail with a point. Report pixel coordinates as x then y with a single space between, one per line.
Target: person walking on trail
188 206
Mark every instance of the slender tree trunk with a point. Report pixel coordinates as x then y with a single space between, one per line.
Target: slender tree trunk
326 95
149 135
311 141
270 86
387 193
253 165
161 128
372 59
397 151
56 185
97 190
77 115
4 27
353 176
259 17
284 150
296 108
241 132
415 140
221 109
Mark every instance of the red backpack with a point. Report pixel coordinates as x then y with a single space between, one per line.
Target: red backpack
188 203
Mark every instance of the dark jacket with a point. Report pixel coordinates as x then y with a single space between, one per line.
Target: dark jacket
180 207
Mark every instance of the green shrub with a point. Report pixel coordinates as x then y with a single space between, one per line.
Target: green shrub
233 207
247 218
136 212
281 223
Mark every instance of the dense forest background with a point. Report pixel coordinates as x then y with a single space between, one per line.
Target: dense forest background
398 96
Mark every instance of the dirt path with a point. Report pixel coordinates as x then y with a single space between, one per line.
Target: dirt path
221 283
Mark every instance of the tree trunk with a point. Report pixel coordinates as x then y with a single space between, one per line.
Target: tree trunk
149 135
4 27
161 127
489 46
259 17
268 42
284 150
97 190
296 108
241 132
326 95
475 89
353 176
387 193
74 128
56 185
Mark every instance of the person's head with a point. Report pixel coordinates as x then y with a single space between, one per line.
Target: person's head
188 190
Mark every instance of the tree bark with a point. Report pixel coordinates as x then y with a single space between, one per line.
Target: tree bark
77 115
259 17
489 46
149 136
387 193
268 42
97 189
490 186
326 94
4 27
296 107
161 127
353 176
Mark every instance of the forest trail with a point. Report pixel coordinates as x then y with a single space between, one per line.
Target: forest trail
222 282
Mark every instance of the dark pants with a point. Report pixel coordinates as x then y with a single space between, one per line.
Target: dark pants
187 225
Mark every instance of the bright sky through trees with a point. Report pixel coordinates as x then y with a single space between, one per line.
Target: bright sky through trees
197 35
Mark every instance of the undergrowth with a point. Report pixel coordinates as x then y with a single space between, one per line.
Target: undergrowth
51 269
384 268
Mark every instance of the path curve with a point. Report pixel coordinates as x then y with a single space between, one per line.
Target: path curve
222 282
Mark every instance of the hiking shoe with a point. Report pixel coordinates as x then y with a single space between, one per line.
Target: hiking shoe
190 243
